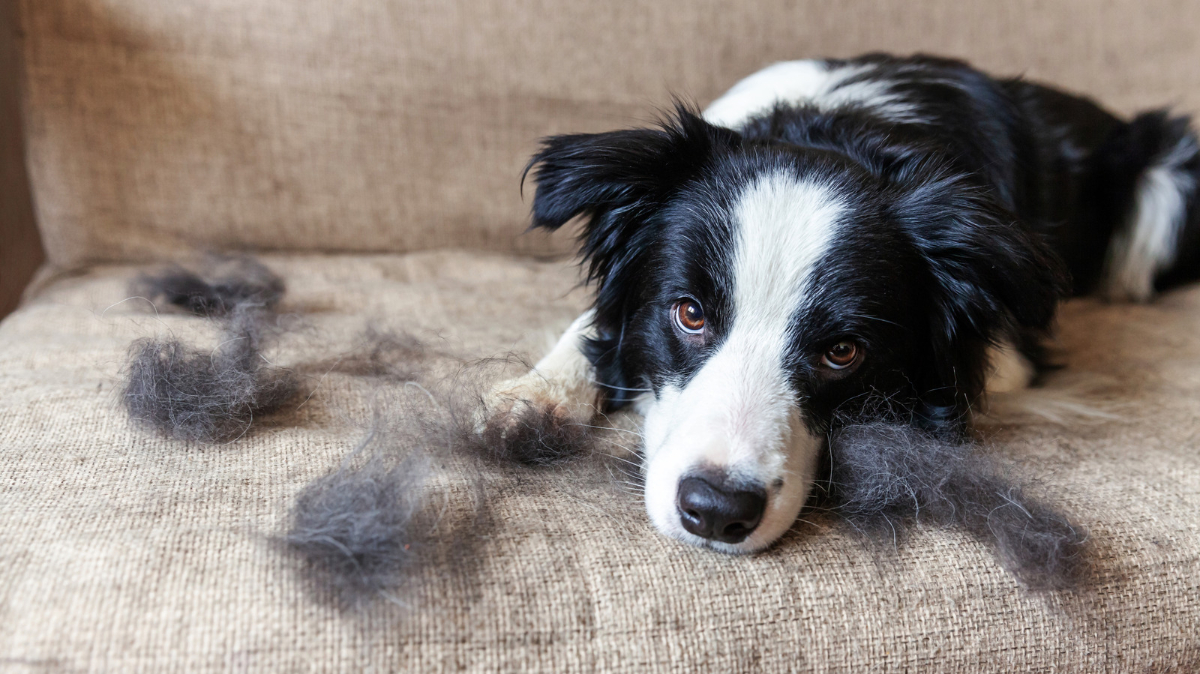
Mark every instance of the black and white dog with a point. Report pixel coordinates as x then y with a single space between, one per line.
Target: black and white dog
832 232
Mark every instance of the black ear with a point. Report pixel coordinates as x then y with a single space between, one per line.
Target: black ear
618 180
990 278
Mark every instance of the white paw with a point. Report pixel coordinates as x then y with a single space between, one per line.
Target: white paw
570 400
1009 370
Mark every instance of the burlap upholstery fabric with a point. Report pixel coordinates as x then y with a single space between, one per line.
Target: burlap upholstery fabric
398 125
120 551
386 126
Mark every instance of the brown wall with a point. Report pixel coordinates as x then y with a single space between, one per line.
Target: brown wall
20 245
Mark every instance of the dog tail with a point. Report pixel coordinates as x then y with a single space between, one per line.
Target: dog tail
1157 243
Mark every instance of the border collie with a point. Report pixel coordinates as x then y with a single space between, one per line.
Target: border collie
833 233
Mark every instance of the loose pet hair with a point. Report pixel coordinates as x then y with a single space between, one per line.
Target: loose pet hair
882 476
370 525
368 528
358 528
230 282
830 232
209 395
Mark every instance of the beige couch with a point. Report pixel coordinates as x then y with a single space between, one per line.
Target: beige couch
371 149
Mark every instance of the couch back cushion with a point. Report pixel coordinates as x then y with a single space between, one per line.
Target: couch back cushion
396 125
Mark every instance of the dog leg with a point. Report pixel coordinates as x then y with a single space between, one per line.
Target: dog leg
562 383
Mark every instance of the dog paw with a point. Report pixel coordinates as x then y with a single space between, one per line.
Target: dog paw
536 420
512 400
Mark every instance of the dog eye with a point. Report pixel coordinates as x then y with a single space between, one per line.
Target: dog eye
689 316
841 355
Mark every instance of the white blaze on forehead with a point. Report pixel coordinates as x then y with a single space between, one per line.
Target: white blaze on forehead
811 82
783 225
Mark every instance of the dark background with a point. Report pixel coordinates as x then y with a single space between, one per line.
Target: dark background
20 246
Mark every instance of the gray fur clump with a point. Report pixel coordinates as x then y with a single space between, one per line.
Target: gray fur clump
367 529
532 436
230 282
206 396
387 356
357 527
515 432
886 474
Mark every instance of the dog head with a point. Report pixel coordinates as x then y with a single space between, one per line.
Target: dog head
753 292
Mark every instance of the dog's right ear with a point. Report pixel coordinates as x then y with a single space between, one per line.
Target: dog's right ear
618 180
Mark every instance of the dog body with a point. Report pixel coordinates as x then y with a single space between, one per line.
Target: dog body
837 239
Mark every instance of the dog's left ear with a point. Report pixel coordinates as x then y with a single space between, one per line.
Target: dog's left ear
619 179
990 278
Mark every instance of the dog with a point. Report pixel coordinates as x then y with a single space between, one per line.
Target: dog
829 234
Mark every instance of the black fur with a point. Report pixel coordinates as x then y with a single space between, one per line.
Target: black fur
209 396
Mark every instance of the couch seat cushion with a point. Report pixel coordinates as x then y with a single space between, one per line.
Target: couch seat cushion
122 551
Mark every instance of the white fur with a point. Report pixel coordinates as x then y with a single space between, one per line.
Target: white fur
814 83
562 381
1008 371
739 412
566 359
1148 243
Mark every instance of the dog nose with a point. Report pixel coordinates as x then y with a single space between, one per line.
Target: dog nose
725 515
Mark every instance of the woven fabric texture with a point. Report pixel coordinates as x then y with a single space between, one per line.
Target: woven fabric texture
120 551
399 125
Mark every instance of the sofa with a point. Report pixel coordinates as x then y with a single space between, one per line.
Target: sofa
370 153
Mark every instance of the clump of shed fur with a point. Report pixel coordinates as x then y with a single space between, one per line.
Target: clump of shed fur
367 528
886 474
207 396
229 283
376 523
357 528
510 431
385 355
532 436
